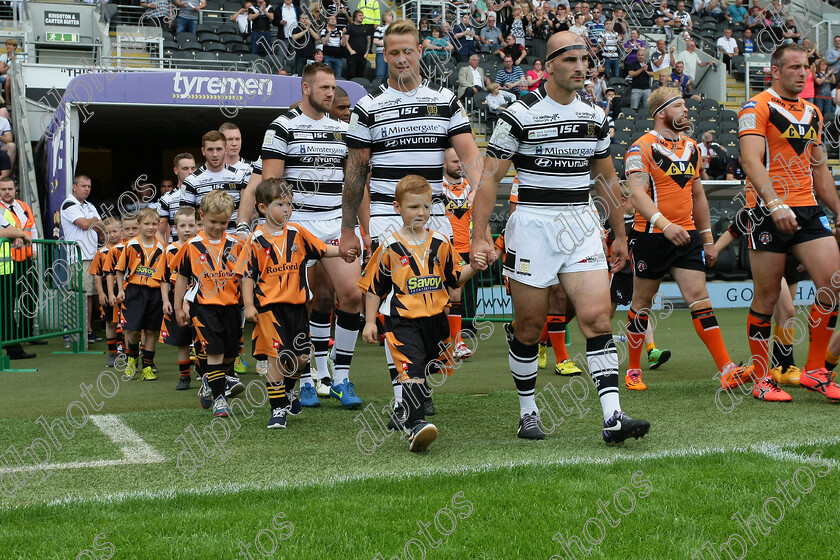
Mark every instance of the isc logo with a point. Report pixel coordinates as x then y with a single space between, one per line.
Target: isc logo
569 129
409 110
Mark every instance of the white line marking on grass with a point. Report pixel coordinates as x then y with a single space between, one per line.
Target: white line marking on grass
778 451
135 450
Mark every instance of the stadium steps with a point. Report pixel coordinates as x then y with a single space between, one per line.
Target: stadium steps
735 92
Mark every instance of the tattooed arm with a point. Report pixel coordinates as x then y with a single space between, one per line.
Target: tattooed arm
358 162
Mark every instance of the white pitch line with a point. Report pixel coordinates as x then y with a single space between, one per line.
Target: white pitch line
135 450
775 451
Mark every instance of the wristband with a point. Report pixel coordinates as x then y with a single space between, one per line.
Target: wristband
707 230
708 243
654 218
243 227
666 227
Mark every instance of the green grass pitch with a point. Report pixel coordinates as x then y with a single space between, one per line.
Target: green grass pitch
148 475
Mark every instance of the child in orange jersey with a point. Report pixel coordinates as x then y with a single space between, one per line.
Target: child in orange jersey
110 314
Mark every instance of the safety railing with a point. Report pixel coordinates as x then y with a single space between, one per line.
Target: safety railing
41 294
485 295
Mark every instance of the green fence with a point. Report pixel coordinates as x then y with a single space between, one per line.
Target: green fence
485 295
41 294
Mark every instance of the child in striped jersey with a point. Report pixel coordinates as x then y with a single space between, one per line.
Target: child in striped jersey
110 314
171 332
138 285
275 292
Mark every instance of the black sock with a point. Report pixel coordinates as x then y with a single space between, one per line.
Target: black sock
148 358
414 395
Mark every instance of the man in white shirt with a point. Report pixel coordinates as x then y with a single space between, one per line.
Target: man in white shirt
471 79
662 58
80 222
727 47
690 58
6 143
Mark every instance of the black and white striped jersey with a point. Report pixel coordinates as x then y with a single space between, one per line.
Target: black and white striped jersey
551 146
167 208
204 181
407 133
314 155
245 167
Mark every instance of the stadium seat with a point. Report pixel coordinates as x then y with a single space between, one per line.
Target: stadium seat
249 58
625 125
706 126
214 47
207 36
170 44
205 27
185 37
727 115
726 268
213 6
376 83
232 6
727 141
228 57
623 138
643 125
710 104
620 89
728 127
229 38
238 48
204 58
629 114
364 82
619 168
616 80
708 115
692 104
617 151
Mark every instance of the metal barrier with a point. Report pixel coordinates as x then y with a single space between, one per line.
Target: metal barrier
485 295
41 296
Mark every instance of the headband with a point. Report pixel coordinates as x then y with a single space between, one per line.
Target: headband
665 105
561 50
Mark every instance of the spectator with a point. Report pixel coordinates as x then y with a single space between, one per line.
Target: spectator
464 35
632 47
379 45
424 30
316 17
285 17
619 23
508 76
491 37
240 18
6 60
158 13
727 47
579 27
714 157
497 99
610 105
536 76
583 8
187 19
512 49
662 80
588 93
371 15
832 55
471 79
789 32
663 28
357 43
333 39
304 39
811 50
609 43
691 59
517 25
594 27
710 8
682 19
6 143
560 20
747 46
599 84
640 75
261 15
737 12
540 32
824 80
317 54
663 11
683 81
80 222
662 57
436 46
734 171
808 91
757 20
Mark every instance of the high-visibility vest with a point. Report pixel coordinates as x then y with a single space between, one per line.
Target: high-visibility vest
24 252
6 264
370 9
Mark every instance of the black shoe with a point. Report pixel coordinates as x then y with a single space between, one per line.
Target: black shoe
429 407
620 427
529 427
39 342
398 418
183 383
92 338
422 434
22 355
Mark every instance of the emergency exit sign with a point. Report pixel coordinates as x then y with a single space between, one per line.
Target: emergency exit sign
62 37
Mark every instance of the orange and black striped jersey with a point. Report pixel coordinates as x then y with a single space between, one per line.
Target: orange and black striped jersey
277 264
789 127
208 266
110 263
140 263
412 279
459 212
97 265
672 167
169 271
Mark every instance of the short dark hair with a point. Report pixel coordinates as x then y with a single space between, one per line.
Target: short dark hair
79 176
270 190
183 155
213 136
779 53
313 68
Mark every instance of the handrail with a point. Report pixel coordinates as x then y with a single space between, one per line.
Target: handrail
26 159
